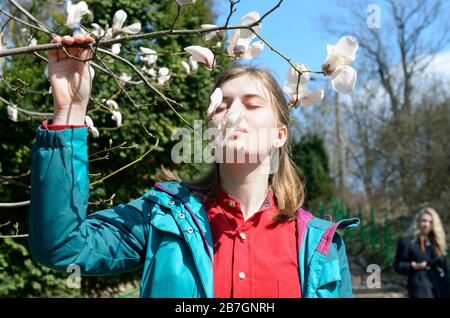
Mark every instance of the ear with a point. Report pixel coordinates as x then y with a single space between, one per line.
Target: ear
281 137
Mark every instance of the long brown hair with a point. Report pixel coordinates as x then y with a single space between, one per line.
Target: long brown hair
285 181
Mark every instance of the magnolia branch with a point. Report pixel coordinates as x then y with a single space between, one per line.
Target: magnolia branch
126 38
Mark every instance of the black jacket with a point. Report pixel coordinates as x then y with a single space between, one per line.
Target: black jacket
432 282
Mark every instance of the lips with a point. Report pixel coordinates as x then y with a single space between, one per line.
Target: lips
241 130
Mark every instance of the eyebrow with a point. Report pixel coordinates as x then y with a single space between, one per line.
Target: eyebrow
246 96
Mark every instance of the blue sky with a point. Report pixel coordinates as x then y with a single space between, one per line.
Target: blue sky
295 29
291 29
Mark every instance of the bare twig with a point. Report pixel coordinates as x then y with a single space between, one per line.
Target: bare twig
14 204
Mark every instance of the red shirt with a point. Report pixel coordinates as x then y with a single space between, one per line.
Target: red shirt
257 258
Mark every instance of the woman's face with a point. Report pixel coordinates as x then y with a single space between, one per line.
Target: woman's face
425 224
259 132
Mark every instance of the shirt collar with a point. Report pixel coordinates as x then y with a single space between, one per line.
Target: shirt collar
231 203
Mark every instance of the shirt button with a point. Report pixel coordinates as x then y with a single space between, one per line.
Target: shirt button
171 202
232 204
242 275
190 230
181 216
242 235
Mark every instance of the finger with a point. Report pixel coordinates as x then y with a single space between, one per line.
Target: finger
67 39
88 39
56 39
79 38
54 53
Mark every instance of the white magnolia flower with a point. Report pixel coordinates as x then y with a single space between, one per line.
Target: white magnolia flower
117 117
91 72
149 56
247 20
33 41
299 91
163 75
215 100
228 124
124 78
240 44
194 64
91 127
202 54
12 112
111 103
150 71
75 12
183 2
109 34
337 65
118 20
115 48
186 67
210 35
98 30
244 47
132 28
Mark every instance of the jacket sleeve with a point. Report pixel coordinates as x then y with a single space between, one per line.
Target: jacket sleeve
335 282
402 264
345 286
61 233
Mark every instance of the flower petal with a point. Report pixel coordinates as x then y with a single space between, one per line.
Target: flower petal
201 54
186 67
12 112
98 30
254 50
194 64
149 56
347 46
75 12
112 103
115 48
312 97
229 123
292 75
183 2
249 19
232 42
210 35
344 79
117 117
118 20
215 100
132 28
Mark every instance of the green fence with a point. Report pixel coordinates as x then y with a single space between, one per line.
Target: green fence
373 237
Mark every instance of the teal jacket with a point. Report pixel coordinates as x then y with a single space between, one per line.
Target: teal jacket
165 233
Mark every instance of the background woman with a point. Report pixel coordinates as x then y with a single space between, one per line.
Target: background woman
421 255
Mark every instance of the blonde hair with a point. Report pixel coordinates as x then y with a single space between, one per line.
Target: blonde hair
285 182
437 235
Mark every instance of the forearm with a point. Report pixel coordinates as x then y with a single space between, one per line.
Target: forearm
59 192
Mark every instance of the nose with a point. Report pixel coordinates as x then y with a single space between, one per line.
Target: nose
236 105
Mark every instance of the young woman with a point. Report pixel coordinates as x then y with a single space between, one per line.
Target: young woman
421 255
239 231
